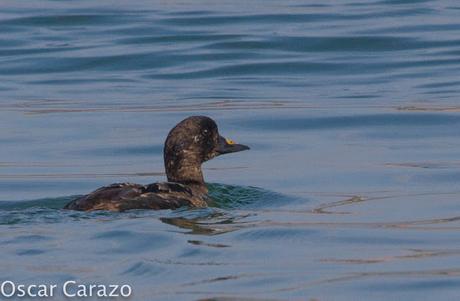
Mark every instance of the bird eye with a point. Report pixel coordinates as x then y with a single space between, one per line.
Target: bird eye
229 141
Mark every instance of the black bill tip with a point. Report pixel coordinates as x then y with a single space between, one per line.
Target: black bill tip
227 146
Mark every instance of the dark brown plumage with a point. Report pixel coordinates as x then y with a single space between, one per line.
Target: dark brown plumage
190 143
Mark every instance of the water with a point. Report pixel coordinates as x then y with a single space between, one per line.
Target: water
350 190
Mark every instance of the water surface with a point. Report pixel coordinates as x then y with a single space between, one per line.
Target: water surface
350 190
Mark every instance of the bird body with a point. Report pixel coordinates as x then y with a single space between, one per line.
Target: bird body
190 143
126 196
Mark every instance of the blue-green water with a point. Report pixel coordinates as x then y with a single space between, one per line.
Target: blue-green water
351 109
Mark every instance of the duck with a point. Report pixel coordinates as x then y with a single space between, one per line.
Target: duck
188 145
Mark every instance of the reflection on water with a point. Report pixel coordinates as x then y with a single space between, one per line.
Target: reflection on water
350 190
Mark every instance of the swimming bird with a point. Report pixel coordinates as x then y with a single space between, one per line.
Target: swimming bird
190 143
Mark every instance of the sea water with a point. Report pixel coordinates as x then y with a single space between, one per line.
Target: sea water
351 188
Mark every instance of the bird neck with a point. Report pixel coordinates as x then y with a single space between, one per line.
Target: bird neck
186 172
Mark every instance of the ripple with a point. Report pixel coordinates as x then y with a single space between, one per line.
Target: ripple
365 276
276 234
321 44
119 241
202 243
27 239
357 121
248 69
241 197
285 18
30 252
142 268
179 38
123 150
402 2
414 254
63 20
77 64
